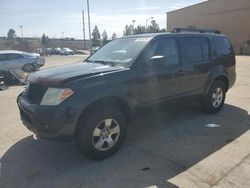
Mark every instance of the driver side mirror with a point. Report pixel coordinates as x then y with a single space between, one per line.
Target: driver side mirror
157 60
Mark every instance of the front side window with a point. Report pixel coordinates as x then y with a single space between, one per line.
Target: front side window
168 48
120 52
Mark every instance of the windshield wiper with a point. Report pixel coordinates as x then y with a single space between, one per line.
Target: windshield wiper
102 62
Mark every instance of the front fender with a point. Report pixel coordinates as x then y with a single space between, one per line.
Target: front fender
101 90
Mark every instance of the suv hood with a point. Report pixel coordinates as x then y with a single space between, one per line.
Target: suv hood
59 75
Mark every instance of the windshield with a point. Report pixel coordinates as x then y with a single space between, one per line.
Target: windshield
120 52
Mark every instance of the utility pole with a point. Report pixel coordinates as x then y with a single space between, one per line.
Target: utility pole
21 28
83 29
90 42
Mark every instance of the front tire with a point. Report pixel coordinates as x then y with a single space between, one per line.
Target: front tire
101 133
215 98
28 68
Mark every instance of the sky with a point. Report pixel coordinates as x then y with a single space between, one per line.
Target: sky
63 18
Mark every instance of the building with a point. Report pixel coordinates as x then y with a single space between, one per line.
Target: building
231 17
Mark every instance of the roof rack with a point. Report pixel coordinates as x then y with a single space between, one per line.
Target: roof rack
192 30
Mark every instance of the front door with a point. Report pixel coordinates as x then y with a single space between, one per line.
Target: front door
159 81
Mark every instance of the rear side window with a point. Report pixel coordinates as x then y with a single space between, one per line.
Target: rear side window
205 48
222 46
195 49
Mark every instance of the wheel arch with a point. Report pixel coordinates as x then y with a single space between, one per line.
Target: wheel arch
111 101
221 77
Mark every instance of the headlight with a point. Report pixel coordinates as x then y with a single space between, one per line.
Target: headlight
55 96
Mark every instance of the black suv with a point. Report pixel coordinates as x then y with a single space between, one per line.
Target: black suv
93 101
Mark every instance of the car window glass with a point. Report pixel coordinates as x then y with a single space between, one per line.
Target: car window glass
192 50
14 56
205 48
3 57
167 48
222 46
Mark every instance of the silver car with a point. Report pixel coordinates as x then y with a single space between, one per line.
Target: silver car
12 60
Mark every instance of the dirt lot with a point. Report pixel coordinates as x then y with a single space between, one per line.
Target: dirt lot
166 148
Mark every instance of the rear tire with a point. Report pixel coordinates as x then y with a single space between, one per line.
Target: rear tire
101 133
215 98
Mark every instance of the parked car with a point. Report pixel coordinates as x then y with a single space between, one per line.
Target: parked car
94 49
93 101
67 51
56 51
40 51
28 62
47 51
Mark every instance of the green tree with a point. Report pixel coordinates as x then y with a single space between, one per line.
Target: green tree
104 38
140 29
114 36
45 40
96 36
128 30
153 27
163 30
11 34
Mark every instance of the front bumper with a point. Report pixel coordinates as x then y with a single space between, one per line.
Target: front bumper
57 122
38 65
40 62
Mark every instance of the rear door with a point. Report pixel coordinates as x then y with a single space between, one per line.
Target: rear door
197 64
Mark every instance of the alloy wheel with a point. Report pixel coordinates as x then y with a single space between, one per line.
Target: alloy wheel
217 97
106 134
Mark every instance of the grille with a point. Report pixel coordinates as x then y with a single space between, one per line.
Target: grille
36 92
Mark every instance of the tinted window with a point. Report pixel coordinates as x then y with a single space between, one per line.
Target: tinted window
3 57
167 48
195 49
222 46
205 48
14 56
192 50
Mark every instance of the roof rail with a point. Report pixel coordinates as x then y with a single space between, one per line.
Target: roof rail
192 30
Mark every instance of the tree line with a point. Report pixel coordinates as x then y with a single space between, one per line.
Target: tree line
102 39
98 39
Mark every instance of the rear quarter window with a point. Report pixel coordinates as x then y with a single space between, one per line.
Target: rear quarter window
222 47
